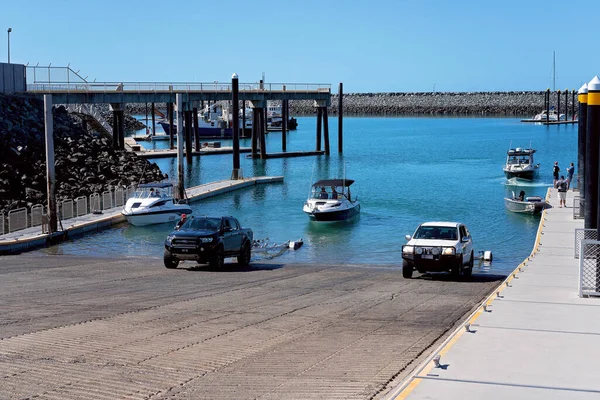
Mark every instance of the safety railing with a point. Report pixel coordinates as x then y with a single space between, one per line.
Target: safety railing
23 218
581 234
578 207
589 268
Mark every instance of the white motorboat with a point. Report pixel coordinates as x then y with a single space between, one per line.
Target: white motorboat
153 203
330 200
519 164
525 205
551 116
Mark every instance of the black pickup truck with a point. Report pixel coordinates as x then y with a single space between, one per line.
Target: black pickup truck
208 240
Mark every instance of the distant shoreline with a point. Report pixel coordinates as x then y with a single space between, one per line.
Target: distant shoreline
427 103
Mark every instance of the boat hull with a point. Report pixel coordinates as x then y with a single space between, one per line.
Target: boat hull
331 216
155 217
205 132
524 207
529 174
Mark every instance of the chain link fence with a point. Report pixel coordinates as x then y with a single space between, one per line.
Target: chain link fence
589 268
581 234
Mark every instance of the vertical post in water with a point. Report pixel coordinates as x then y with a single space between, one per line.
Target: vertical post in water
340 118
153 119
235 99
581 144
196 134
573 116
180 185
50 176
188 135
172 130
591 159
558 105
263 142
284 121
319 114
255 127
326 130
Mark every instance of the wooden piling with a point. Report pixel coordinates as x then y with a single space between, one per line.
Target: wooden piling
196 132
325 129
591 164
235 174
284 121
319 115
153 119
340 118
188 136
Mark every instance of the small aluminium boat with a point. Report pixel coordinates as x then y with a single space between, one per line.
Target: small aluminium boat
519 164
330 200
153 203
526 205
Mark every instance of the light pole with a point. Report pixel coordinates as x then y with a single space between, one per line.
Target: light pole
9 30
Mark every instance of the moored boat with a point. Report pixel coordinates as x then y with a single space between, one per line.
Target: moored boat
335 204
526 205
551 116
153 203
520 164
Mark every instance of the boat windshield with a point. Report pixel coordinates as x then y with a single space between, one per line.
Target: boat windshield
324 193
518 160
151 192
436 232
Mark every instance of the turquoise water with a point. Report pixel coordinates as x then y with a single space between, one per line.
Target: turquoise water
407 171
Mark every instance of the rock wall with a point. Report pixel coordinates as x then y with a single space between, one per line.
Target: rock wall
522 104
85 163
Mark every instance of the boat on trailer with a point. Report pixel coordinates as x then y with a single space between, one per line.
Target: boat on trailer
331 200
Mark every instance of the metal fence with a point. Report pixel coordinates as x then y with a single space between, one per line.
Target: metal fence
578 207
581 234
23 218
589 268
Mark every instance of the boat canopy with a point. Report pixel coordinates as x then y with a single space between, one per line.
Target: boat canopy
520 152
334 182
155 185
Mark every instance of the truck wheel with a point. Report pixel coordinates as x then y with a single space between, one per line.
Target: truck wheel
218 260
407 269
469 270
243 258
170 261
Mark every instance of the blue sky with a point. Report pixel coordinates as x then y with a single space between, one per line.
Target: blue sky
370 46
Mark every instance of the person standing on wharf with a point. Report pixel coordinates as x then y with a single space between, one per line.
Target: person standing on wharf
555 172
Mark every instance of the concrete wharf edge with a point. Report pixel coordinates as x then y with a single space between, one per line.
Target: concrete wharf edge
31 238
533 338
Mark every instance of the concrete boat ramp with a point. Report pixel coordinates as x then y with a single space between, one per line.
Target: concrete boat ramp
29 238
535 339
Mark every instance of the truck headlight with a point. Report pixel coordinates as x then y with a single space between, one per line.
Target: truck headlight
206 240
419 250
169 240
449 251
407 249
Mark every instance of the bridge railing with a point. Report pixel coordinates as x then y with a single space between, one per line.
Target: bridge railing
174 87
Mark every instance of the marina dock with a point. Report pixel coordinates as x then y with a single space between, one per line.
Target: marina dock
542 122
533 338
29 238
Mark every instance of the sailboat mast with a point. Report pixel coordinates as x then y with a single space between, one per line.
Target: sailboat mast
554 71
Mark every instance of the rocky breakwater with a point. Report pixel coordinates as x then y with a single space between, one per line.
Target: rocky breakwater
522 104
85 162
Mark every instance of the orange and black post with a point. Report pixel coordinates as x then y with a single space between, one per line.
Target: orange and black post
591 154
